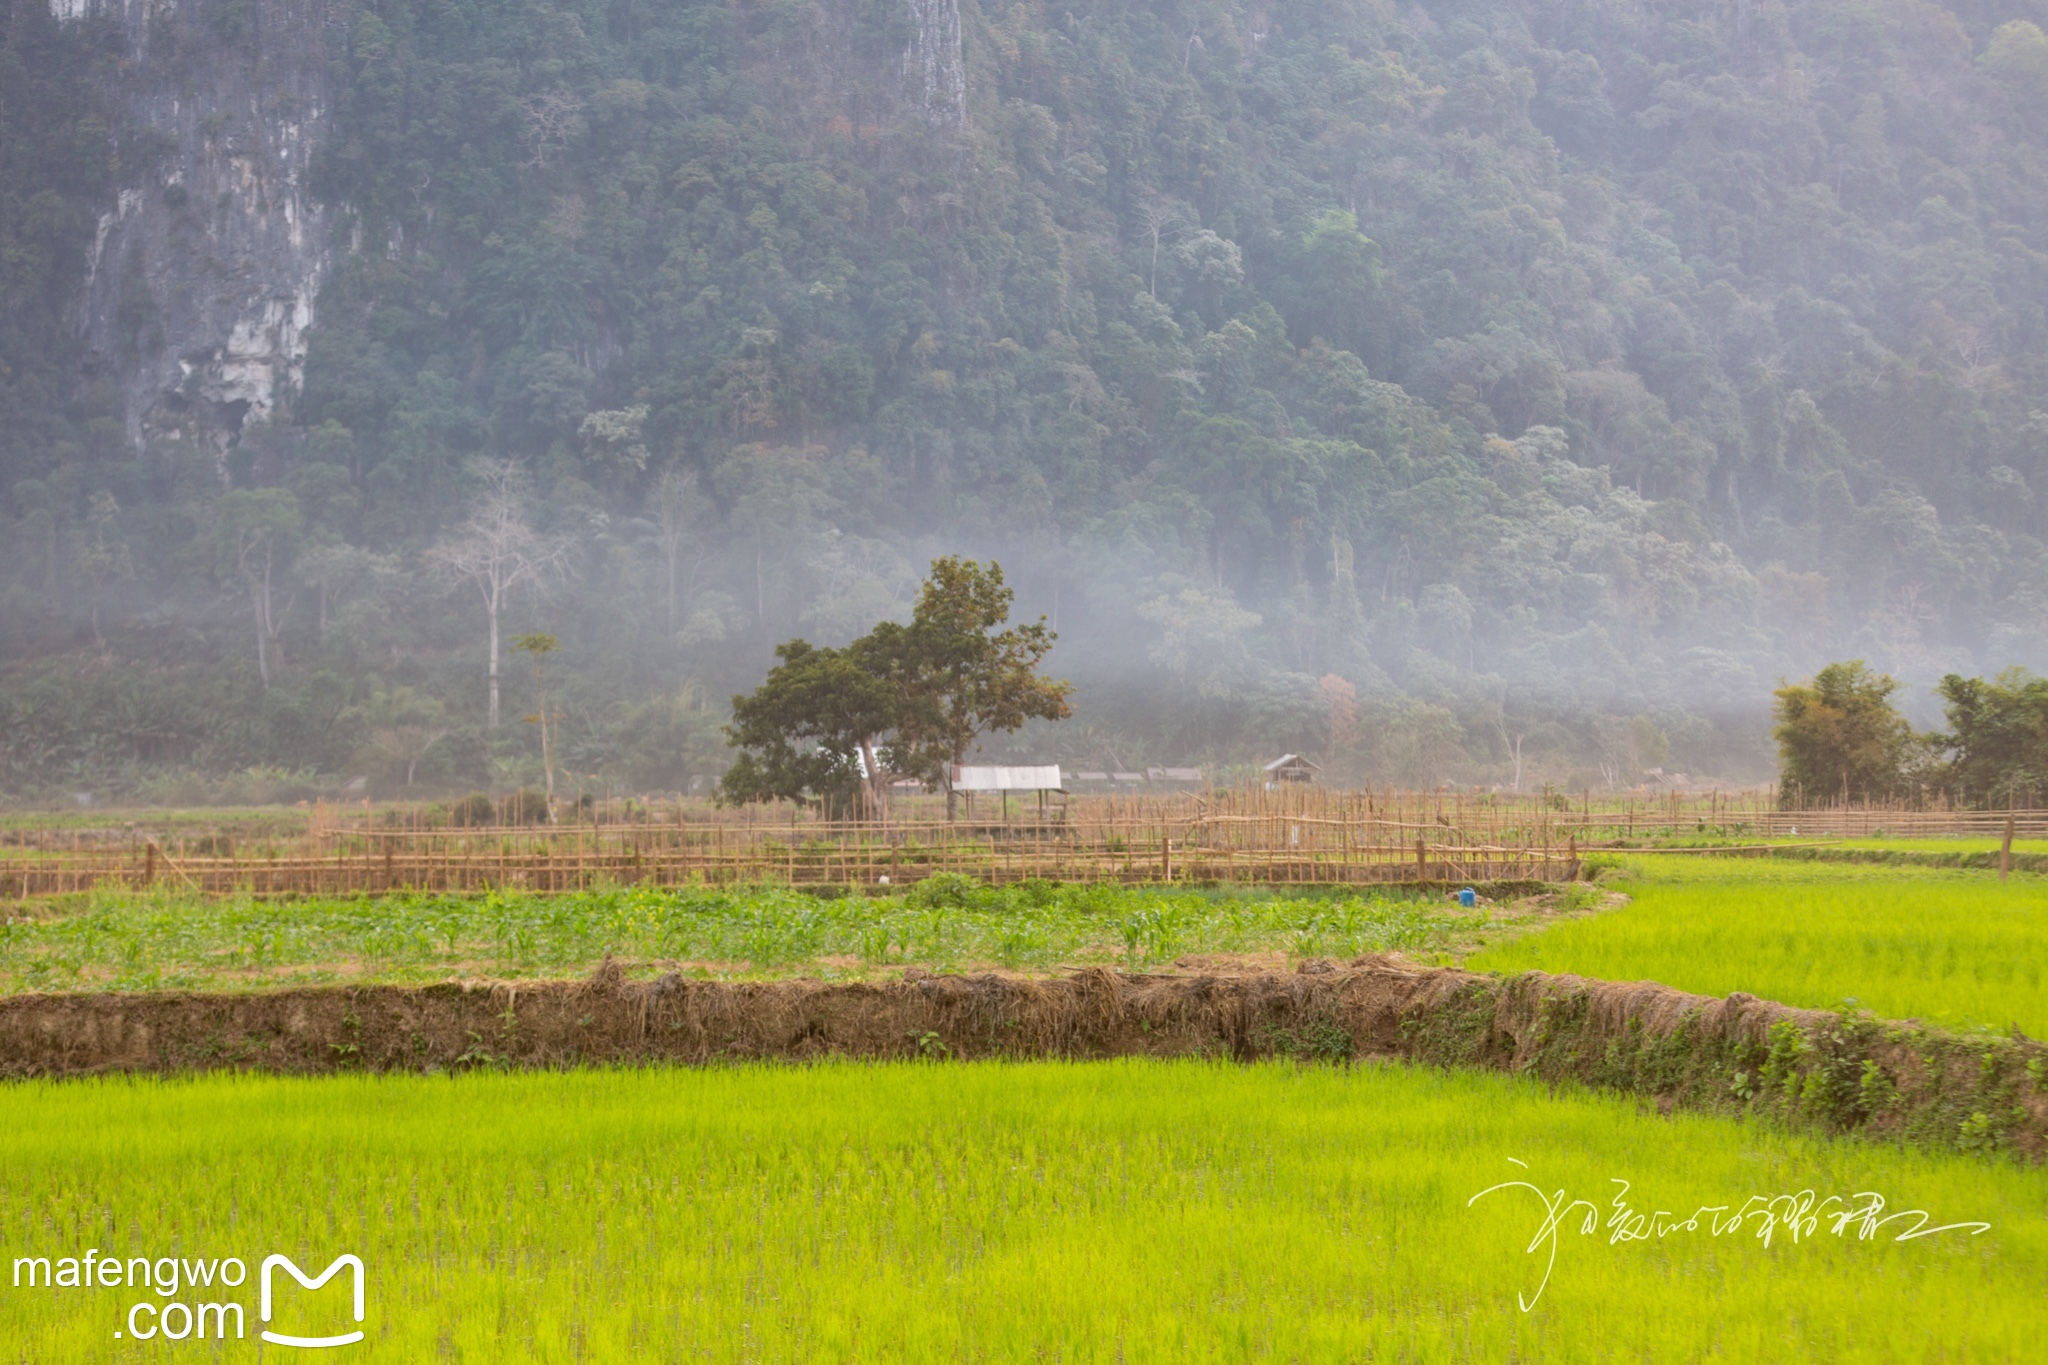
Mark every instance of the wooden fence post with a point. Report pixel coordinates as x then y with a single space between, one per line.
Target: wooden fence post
2005 848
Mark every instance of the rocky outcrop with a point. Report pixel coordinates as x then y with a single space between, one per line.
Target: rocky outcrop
202 275
934 66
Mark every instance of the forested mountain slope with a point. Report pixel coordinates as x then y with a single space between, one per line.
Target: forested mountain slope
1412 385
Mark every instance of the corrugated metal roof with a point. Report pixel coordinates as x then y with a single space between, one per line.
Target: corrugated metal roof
1003 779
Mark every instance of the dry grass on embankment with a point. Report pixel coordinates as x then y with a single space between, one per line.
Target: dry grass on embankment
1835 1072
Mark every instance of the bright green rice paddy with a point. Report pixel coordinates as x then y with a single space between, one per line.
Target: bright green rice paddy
1945 845
1128 1211
1960 949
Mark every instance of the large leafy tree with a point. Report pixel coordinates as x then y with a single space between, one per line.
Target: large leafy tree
835 725
1997 737
812 731
962 675
1840 738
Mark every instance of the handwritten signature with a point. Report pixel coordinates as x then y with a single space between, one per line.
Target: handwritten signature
1798 1217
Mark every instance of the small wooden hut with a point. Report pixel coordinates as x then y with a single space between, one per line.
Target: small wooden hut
1292 768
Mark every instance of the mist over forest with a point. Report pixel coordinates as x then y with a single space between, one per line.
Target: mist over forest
1456 392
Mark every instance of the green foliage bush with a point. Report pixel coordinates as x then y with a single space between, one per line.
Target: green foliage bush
475 809
527 806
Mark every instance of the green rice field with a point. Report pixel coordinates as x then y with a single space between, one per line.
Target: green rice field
1128 1211
1946 845
1961 949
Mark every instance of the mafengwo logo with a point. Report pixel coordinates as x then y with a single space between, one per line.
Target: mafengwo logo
351 1262
191 1301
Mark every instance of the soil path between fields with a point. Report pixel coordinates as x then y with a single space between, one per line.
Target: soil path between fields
1833 1072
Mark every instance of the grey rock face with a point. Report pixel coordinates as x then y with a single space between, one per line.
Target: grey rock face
202 276
934 69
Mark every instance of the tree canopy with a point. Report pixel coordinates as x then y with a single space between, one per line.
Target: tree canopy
901 701
815 730
1840 738
1997 738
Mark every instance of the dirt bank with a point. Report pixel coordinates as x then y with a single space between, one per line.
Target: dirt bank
1833 1072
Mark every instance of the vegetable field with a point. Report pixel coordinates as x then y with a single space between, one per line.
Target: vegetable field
1107 1212
118 940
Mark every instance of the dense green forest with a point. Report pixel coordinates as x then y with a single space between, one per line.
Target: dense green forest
1460 391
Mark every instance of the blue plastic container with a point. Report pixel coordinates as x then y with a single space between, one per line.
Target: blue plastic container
1468 898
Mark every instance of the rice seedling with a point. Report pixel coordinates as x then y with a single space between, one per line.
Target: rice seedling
1954 948
1953 844
925 1212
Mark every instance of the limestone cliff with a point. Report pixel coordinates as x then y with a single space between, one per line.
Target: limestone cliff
203 274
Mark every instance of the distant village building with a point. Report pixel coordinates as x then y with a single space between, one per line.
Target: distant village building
1190 776
1292 768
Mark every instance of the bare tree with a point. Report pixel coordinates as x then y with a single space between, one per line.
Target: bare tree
550 119
255 528
679 507
1160 219
540 646
406 744
403 726
104 559
498 550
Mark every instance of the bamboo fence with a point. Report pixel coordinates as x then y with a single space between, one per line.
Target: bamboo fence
1288 835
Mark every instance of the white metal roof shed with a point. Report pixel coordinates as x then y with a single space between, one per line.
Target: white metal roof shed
984 778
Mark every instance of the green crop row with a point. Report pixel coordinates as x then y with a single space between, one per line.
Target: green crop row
1126 1212
143 941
